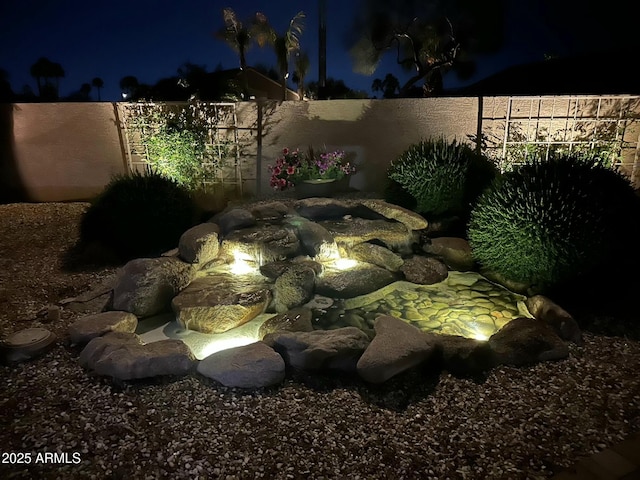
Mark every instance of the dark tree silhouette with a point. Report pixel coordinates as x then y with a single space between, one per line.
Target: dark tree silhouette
335 89
129 86
390 86
300 70
240 36
286 44
44 71
428 37
98 83
6 94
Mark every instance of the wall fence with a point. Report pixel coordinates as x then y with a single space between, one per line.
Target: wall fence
70 151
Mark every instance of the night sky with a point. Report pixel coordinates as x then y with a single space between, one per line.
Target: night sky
150 39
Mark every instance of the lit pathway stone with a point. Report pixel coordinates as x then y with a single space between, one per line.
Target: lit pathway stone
465 304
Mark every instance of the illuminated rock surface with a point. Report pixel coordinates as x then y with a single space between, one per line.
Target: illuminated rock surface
251 366
464 304
215 304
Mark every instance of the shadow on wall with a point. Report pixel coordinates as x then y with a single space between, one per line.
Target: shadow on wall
12 188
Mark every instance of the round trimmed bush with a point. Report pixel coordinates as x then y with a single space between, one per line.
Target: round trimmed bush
443 177
138 215
551 221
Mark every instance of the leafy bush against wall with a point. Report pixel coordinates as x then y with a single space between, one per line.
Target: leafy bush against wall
138 215
177 143
443 177
550 221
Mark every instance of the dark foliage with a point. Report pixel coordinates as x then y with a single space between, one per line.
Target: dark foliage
138 215
552 222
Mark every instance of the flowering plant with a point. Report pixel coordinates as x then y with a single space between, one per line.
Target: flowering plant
294 167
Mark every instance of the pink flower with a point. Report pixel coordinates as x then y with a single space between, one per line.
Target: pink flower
291 170
285 150
277 170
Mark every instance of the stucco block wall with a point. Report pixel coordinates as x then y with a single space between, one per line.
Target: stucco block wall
376 131
65 151
70 151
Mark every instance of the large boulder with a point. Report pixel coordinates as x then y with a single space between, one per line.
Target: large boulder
293 288
215 304
270 210
525 341
313 237
376 255
412 220
273 242
555 316
200 244
396 347
424 270
337 349
146 286
359 280
351 231
273 270
123 356
294 320
89 327
250 366
454 251
234 219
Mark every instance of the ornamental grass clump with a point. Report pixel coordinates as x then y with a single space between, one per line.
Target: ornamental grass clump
138 215
549 222
443 177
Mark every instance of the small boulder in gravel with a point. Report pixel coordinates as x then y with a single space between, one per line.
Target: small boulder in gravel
423 270
396 347
250 366
555 316
89 327
462 356
123 356
200 244
526 341
337 349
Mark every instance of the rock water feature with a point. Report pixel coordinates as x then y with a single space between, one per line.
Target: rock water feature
347 285
464 304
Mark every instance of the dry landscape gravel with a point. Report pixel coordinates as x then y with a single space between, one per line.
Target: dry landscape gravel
514 423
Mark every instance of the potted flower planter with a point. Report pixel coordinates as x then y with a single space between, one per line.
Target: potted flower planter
318 187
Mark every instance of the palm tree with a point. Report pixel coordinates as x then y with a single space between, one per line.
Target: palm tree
300 70
43 71
284 45
239 36
98 84
390 86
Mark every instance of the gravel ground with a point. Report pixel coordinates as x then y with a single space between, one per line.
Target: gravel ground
514 423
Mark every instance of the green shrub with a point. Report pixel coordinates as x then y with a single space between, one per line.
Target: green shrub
443 177
178 155
550 221
138 215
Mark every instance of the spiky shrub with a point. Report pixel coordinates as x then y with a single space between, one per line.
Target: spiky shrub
550 221
138 215
443 177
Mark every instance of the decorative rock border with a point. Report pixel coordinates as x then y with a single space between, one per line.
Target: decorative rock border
149 286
